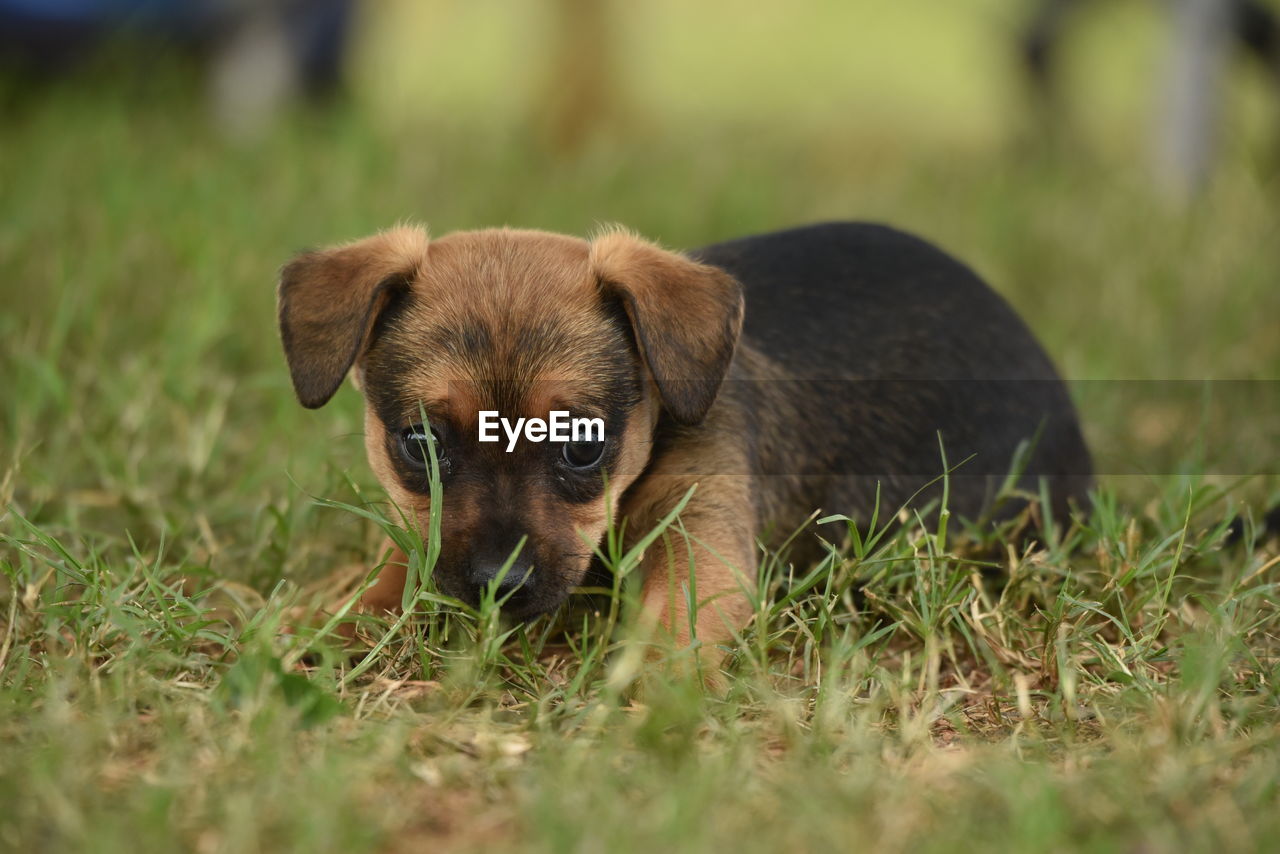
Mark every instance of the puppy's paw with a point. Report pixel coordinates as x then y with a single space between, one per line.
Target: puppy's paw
338 593
648 667
697 664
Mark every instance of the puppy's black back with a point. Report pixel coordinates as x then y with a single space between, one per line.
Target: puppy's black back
863 300
866 343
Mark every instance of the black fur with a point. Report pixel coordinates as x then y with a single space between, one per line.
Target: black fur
860 345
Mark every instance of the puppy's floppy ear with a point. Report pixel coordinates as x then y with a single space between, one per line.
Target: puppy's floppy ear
686 317
329 300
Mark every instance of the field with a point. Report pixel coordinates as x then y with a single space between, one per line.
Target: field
164 501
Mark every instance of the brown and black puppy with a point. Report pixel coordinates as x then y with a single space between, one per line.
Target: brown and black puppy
782 374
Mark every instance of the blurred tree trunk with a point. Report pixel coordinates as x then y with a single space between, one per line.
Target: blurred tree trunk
579 95
1193 92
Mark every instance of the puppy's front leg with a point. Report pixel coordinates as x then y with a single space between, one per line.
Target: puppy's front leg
388 589
341 589
698 575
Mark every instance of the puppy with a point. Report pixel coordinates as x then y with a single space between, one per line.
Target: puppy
824 368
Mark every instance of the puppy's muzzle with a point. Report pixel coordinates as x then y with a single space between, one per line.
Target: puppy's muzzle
515 587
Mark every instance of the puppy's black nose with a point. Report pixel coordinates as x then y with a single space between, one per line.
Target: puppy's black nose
518 578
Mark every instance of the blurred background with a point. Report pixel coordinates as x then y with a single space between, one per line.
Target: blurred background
1110 166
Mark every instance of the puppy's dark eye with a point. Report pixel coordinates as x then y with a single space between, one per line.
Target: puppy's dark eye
413 446
582 455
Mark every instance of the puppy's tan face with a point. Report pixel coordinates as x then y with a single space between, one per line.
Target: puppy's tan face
512 324
522 324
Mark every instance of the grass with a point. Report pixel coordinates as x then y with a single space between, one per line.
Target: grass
164 503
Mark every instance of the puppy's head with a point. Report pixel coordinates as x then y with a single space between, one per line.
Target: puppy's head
522 324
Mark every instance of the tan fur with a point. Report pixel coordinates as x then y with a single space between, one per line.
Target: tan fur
709 555
330 300
686 317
